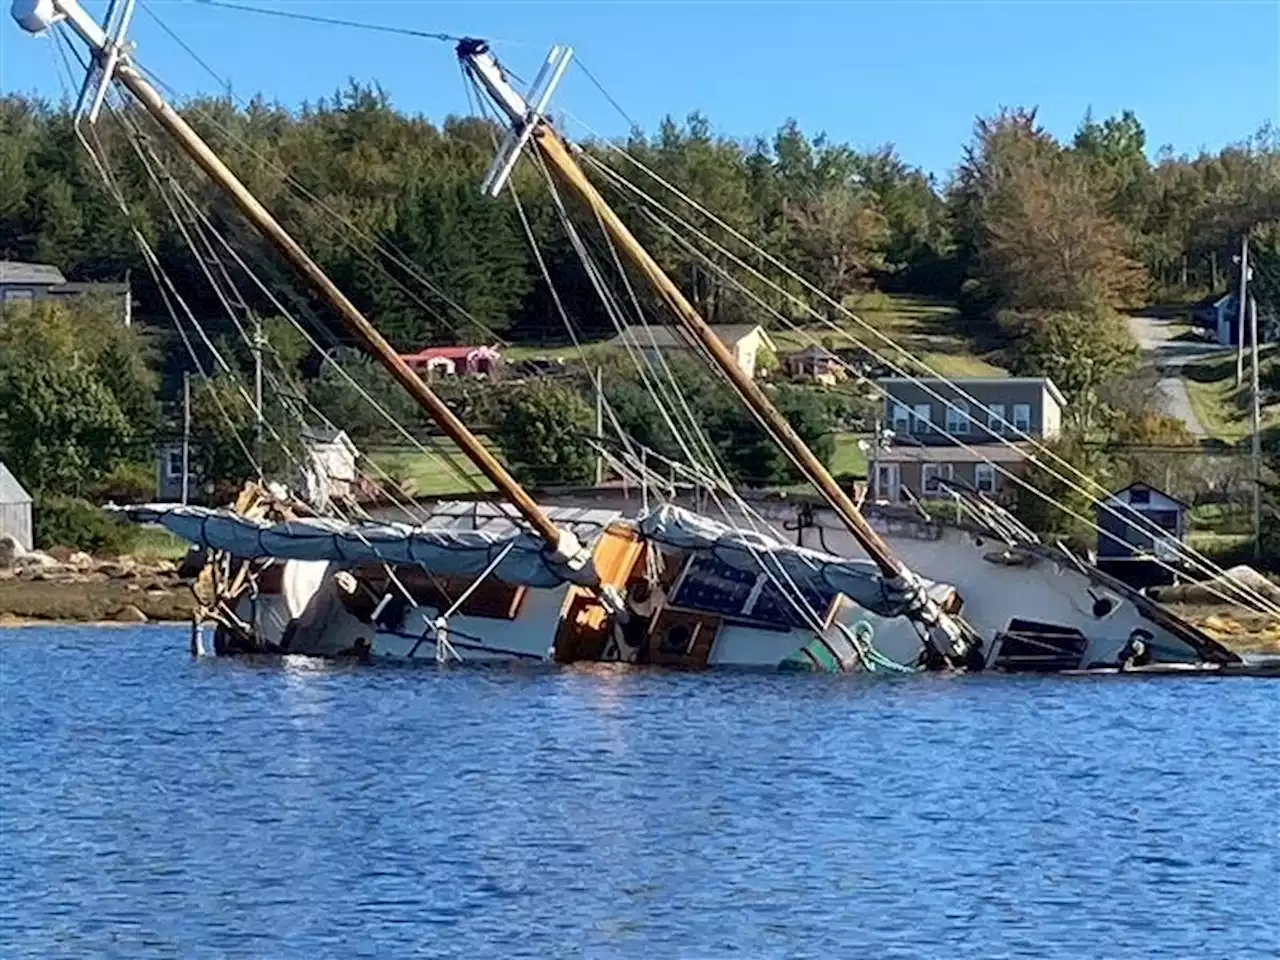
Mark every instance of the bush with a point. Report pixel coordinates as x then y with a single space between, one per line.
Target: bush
544 432
78 525
126 483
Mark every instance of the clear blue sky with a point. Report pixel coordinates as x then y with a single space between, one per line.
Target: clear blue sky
911 73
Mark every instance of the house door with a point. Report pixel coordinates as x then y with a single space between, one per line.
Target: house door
888 481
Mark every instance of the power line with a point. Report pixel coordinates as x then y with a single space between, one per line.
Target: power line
312 18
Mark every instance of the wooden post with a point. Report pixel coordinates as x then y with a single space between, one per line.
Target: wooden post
561 162
364 332
186 436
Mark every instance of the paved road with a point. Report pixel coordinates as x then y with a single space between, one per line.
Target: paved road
1161 351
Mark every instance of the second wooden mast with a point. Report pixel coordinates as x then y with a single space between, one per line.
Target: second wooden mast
528 125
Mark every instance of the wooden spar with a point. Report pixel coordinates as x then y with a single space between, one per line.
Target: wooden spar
562 163
368 336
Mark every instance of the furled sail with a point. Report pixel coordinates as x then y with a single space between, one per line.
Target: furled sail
812 573
521 557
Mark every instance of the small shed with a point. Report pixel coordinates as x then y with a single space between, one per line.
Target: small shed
330 471
814 363
15 509
1142 529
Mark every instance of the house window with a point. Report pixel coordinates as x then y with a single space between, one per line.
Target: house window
1022 416
901 418
931 473
958 417
984 477
19 296
173 464
922 418
995 418
1140 496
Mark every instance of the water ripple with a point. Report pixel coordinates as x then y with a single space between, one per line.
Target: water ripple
155 806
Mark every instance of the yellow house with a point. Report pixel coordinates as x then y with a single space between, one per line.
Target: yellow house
744 341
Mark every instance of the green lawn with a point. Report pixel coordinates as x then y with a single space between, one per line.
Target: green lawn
929 329
1221 407
848 458
426 475
156 543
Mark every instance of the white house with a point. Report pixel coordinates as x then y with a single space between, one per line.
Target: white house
330 471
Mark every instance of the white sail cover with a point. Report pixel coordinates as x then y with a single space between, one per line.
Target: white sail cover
448 551
464 539
809 570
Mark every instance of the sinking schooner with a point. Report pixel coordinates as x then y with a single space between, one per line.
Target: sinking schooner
864 588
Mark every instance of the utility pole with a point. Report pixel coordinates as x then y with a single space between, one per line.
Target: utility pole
1257 432
257 388
873 468
1244 294
186 435
600 426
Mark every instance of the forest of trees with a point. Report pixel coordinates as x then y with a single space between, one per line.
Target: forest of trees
1026 223
1042 243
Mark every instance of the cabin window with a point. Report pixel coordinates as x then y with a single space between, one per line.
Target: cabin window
922 418
901 418
1139 496
984 477
173 464
995 418
958 417
932 473
1022 416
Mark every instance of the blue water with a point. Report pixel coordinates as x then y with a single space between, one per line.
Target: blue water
156 806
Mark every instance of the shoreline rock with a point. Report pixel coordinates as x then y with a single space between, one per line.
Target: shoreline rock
42 588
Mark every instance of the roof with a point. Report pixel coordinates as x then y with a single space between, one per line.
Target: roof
496 517
92 286
813 351
10 489
1146 486
427 354
326 435
14 271
1045 382
665 338
978 453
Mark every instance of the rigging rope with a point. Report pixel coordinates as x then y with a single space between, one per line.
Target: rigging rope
1192 556
1020 481
331 21
384 246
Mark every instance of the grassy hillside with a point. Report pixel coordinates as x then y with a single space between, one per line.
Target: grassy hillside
929 329
1222 407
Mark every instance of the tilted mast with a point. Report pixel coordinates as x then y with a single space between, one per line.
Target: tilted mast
111 58
529 125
